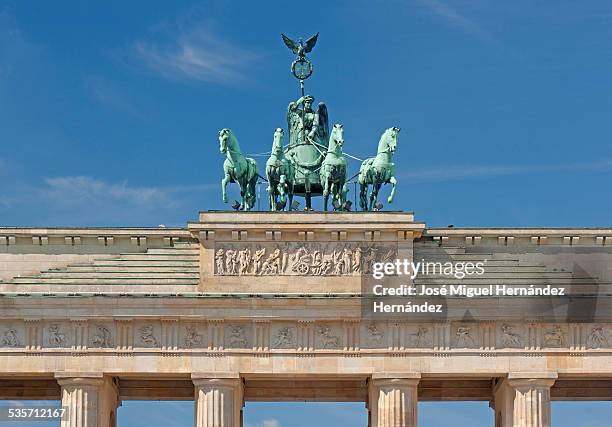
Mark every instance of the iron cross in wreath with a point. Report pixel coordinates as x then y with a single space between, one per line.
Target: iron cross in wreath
301 68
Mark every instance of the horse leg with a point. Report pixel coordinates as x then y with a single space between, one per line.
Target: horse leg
374 194
325 194
393 183
226 179
363 196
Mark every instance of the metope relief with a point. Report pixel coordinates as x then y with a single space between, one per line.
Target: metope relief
598 337
146 335
297 259
236 336
284 337
191 338
56 337
510 336
10 338
101 337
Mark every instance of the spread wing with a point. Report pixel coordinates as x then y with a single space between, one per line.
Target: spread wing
310 43
290 43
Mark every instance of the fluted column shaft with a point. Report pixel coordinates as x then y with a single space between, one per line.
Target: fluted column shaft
219 400
90 400
523 400
393 400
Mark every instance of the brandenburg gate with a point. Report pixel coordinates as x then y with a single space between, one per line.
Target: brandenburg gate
275 306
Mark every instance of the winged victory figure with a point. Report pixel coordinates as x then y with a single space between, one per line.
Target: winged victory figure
300 48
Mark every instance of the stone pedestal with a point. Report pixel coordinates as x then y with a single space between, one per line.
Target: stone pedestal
393 400
218 400
523 400
91 400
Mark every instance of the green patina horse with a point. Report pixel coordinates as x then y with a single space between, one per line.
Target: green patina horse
333 173
280 174
379 170
237 168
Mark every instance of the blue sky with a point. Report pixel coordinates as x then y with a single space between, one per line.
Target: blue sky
109 113
300 414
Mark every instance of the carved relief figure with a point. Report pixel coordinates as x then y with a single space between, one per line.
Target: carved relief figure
236 337
102 338
598 338
328 340
376 336
257 260
419 337
10 338
464 337
245 260
509 337
57 337
554 337
192 338
147 337
357 263
284 337
220 261
272 265
230 261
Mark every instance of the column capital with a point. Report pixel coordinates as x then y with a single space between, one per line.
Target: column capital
406 379
532 379
79 378
218 379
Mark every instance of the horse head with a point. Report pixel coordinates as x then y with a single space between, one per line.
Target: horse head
388 140
277 142
336 139
225 136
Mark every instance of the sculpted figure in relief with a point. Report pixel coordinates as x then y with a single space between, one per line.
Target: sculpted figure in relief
236 337
284 337
328 340
57 337
464 337
245 260
376 336
418 338
192 338
554 337
272 265
146 336
509 337
597 337
10 338
102 338
257 260
220 261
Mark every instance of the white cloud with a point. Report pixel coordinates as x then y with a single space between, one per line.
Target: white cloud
266 423
475 171
84 188
108 94
195 54
458 20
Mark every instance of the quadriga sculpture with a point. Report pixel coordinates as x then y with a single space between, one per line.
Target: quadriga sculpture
379 170
237 168
280 174
334 169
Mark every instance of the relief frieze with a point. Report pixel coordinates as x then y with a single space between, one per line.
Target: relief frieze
299 259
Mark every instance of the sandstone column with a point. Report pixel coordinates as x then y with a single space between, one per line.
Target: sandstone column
219 400
393 400
523 400
90 399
